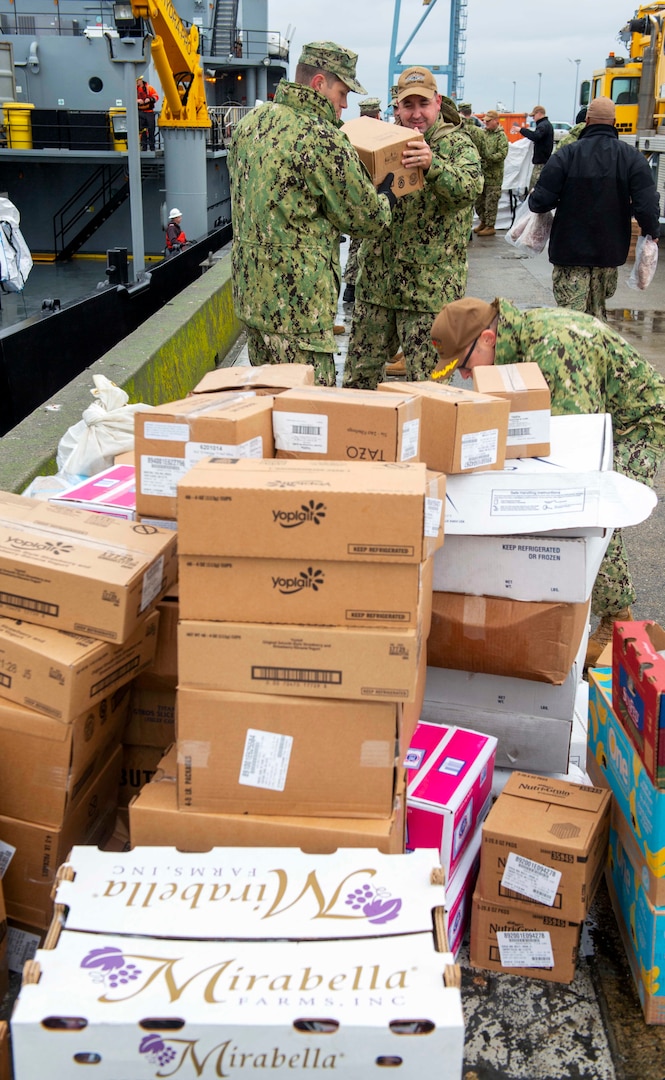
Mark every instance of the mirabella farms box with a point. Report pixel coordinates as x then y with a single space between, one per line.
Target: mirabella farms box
284 961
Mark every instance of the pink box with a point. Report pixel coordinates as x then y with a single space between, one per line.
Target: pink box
111 492
449 789
459 892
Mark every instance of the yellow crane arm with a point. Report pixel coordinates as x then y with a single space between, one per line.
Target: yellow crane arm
175 53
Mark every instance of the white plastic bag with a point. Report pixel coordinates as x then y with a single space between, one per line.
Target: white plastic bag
107 429
530 232
646 261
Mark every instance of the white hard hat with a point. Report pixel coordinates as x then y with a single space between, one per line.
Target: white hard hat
175 213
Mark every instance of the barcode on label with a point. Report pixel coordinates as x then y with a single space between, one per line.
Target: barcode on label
299 675
514 432
27 604
305 429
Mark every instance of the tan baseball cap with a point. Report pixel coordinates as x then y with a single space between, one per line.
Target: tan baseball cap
416 80
457 324
329 56
491 114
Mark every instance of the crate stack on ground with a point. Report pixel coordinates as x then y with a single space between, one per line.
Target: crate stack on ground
627 754
77 623
304 593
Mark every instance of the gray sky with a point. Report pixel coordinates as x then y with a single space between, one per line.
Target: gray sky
507 44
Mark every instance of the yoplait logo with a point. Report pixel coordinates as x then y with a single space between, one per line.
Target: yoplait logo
306 579
21 543
311 512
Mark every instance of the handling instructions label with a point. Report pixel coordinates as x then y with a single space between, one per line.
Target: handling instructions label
532 879
265 760
525 948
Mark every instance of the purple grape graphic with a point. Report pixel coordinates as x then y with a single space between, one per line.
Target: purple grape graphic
157 1050
108 965
378 909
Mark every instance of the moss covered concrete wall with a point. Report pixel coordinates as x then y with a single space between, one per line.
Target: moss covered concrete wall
161 361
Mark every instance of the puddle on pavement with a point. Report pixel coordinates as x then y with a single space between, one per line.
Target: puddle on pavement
633 323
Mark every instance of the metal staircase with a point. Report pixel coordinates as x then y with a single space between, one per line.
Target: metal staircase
79 218
224 28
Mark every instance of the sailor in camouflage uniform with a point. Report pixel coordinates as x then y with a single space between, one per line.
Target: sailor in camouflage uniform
405 277
493 153
370 106
589 369
473 130
296 185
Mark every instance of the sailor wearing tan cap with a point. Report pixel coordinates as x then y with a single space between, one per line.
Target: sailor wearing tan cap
493 152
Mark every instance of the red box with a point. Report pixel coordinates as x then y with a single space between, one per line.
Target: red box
638 691
449 789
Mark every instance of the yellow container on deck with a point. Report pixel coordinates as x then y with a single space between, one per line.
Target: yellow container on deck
18 125
118 119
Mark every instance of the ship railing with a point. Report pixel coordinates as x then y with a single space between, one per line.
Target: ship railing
60 19
224 120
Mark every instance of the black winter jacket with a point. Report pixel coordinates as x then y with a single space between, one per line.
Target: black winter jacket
542 137
596 185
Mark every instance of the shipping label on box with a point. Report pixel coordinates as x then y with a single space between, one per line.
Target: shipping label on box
341 424
250 753
170 438
519 941
112 492
449 789
156 820
638 690
380 147
263 379
613 759
46 763
62 674
80 571
314 661
351 511
544 845
305 591
525 388
461 431
540 568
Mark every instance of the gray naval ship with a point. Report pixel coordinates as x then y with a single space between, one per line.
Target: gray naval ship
68 71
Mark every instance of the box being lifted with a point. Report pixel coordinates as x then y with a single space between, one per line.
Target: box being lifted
380 147
283 960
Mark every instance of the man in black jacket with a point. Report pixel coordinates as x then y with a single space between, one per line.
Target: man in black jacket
597 184
542 137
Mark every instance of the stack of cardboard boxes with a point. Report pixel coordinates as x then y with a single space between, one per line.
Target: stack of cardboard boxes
627 753
77 623
304 590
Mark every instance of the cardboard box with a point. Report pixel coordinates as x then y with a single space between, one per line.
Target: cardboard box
461 431
506 637
459 893
544 845
355 511
170 438
638 690
521 941
5 1067
139 765
152 710
111 492
155 820
613 761
344 957
263 379
525 387
449 789
346 425
46 763
571 492
503 694
4 953
40 850
303 591
260 754
314 661
83 572
540 568
165 661
63 675
642 928
380 147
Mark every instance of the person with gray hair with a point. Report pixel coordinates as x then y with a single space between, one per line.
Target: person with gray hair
597 184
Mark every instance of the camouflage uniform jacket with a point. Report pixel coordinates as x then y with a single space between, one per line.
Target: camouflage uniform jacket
296 184
589 369
493 153
474 132
423 262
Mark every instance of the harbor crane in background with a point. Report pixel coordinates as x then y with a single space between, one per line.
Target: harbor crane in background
453 70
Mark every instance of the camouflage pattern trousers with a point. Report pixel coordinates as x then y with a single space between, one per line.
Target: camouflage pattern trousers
613 589
276 349
487 204
585 288
351 268
377 333
535 175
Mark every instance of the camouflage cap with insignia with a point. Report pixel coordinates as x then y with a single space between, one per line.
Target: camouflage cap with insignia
334 58
448 110
370 105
